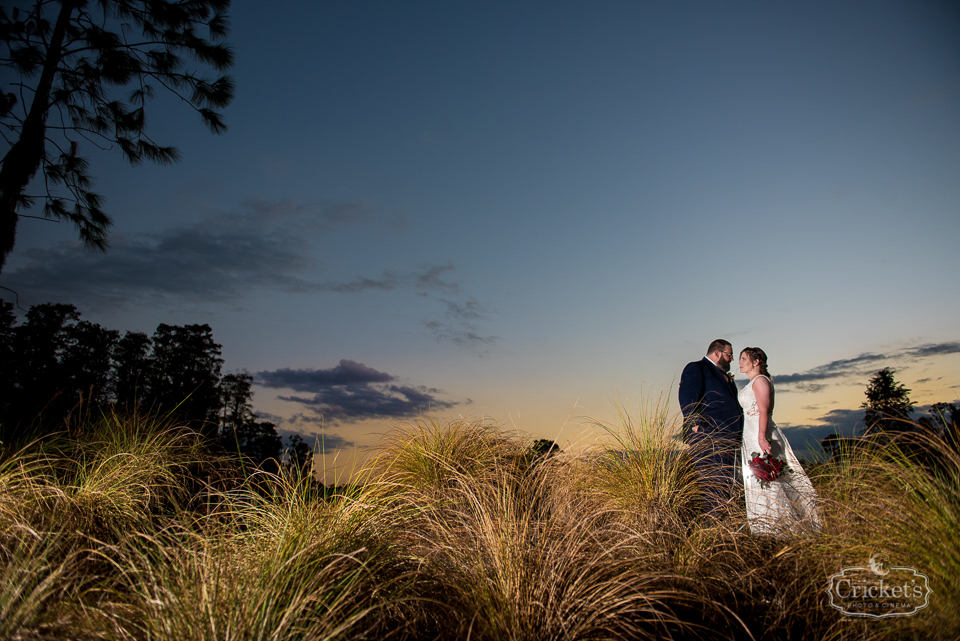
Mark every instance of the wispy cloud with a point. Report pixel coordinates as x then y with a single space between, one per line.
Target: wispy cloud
833 369
460 324
220 258
325 217
385 283
429 279
264 246
470 310
351 391
861 366
934 349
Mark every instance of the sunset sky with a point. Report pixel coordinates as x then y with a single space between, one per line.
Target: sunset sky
533 210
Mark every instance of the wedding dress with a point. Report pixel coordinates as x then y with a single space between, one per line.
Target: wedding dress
786 505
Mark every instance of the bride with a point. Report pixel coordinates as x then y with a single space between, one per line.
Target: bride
786 505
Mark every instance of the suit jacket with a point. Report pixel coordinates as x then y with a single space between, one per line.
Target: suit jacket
708 399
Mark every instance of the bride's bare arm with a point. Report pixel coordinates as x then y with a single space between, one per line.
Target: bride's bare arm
761 389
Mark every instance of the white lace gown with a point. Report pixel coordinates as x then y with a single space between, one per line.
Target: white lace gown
787 505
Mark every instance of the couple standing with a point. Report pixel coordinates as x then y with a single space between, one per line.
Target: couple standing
719 422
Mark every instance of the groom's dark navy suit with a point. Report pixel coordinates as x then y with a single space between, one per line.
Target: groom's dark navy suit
708 400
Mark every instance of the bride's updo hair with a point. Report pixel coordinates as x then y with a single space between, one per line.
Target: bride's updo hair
757 354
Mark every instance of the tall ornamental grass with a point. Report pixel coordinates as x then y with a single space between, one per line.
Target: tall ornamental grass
129 528
269 567
67 496
900 497
642 470
508 546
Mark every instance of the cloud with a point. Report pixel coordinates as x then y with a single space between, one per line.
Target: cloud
351 391
264 246
860 366
805 439
468 311
220 258
430 279
934 349
326 217
386 283
463 336
842 422
834 369
267 416
460 324
347 372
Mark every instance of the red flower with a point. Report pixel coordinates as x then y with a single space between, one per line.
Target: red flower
767 468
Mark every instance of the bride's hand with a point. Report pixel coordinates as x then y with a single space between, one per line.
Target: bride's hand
764 445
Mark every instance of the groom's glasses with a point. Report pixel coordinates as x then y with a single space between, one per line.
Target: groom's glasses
728 354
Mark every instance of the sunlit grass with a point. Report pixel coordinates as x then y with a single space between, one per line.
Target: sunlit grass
643 470
125 529
427 455
62 497
224 585
37 574
901 498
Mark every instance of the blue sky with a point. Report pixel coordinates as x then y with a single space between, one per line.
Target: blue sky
528 210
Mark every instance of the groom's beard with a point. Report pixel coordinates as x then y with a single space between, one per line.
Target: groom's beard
725 366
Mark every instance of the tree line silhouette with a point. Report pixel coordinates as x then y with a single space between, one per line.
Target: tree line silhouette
58 368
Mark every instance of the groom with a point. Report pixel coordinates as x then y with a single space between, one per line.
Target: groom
713 422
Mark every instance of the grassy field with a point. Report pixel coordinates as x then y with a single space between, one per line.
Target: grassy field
128 529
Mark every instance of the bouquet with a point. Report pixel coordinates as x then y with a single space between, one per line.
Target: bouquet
767 468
